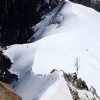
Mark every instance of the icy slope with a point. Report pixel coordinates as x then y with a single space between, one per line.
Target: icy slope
32 86
75 42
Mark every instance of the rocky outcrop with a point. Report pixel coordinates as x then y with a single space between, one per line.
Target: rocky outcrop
77 86
95 4
7 93
90 3
5 75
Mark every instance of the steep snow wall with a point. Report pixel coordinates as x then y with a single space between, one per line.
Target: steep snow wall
58 91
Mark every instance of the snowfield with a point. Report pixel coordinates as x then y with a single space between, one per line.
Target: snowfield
75 42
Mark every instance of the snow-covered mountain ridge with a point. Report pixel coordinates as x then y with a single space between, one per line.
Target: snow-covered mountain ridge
70 43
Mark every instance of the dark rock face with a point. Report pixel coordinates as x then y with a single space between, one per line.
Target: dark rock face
95 4
5 63
5 75
18 16
89 3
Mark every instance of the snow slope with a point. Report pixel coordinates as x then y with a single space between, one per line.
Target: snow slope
58 91
75 40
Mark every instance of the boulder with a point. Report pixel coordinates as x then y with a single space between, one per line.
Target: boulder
7 93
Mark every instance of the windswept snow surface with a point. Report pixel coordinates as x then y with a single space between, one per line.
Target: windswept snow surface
57 91
76 37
